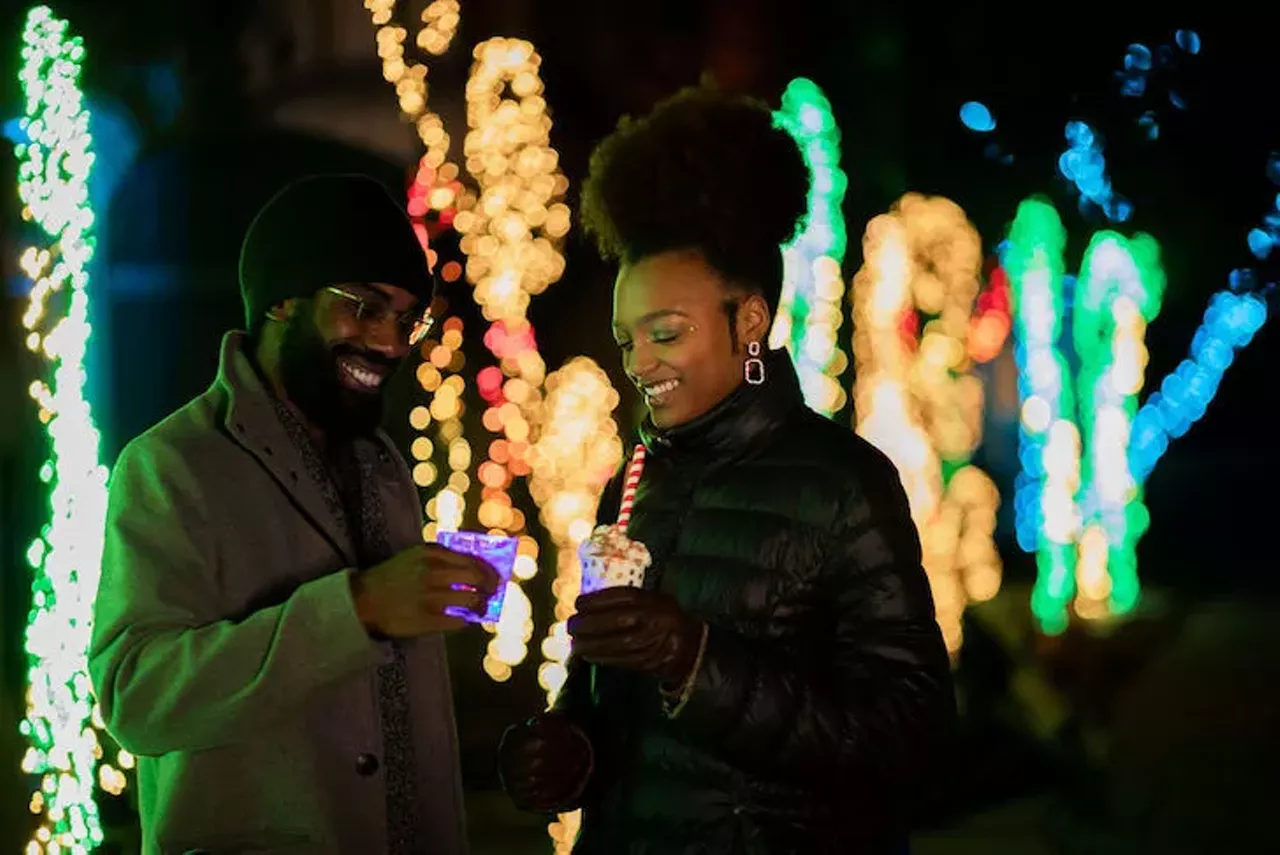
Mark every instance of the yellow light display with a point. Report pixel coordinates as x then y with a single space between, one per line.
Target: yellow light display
511 233
436 185
512 237
445 509
916 397
576 454
512 240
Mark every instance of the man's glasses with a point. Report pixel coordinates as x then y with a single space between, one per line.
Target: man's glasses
413 325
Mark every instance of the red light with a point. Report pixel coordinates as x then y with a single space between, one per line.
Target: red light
489 383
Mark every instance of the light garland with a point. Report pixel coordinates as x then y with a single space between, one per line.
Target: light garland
1046 517
810 313
62 722
512 240
1119 292
1084 165
511 234
577 453
916 397
436 186
440 358
1078 502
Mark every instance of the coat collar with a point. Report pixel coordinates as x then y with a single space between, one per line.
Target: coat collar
253 422
739 424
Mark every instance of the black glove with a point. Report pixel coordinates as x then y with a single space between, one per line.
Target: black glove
545 763
638 630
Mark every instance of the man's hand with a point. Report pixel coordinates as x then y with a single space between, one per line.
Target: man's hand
420 590
638 630
545 763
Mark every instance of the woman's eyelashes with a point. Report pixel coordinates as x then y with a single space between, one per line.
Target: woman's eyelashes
655 337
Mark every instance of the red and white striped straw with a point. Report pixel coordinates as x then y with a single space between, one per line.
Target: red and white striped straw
634 470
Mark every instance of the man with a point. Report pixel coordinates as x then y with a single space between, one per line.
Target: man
267 633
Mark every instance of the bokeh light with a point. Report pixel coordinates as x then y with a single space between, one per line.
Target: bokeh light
810 310
916 397
63 725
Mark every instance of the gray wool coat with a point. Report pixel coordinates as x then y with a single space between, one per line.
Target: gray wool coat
226 650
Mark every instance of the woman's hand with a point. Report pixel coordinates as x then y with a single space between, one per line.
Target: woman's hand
638 630
545 763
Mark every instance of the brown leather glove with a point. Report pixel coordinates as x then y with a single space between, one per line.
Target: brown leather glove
545 763
638 630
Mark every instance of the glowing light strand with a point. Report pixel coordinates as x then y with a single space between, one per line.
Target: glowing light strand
810 313
915 395
1085 166
1108 530
1046 516
576 454
62 722
512 240
1079 498
1233 317
1119 292
435 186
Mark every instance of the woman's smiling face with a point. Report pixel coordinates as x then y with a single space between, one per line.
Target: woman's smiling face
683 332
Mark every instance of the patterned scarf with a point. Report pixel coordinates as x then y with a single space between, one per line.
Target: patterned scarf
351 495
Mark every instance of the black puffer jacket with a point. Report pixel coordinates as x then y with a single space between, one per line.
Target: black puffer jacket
824 705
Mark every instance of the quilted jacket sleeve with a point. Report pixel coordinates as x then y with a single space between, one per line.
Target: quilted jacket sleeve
169 673
880 702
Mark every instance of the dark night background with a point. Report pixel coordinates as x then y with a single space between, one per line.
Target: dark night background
224 102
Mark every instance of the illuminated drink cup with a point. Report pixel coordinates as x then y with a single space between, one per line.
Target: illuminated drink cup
499 551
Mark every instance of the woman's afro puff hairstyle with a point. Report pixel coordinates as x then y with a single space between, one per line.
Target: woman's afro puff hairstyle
704 171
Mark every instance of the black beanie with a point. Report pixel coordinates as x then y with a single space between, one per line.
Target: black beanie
328 230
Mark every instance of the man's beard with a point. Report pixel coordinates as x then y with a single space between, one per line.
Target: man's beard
309 371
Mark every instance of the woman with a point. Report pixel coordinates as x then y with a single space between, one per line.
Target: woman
780 685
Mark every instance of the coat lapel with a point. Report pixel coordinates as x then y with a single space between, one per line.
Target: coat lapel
252 421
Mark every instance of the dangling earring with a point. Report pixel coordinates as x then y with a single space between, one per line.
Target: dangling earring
753 368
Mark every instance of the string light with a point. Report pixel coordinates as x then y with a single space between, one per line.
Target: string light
435 187
1046 517
1078 497
1233 317
512 237
1079 502
446 508
577 453
511 234
512 241
440 21
1229 324
916 396
809 313
1085 166
1119 292
62 722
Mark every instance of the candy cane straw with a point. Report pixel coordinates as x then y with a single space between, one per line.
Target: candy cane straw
634 469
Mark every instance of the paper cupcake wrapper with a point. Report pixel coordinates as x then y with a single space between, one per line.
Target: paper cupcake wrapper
598 575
